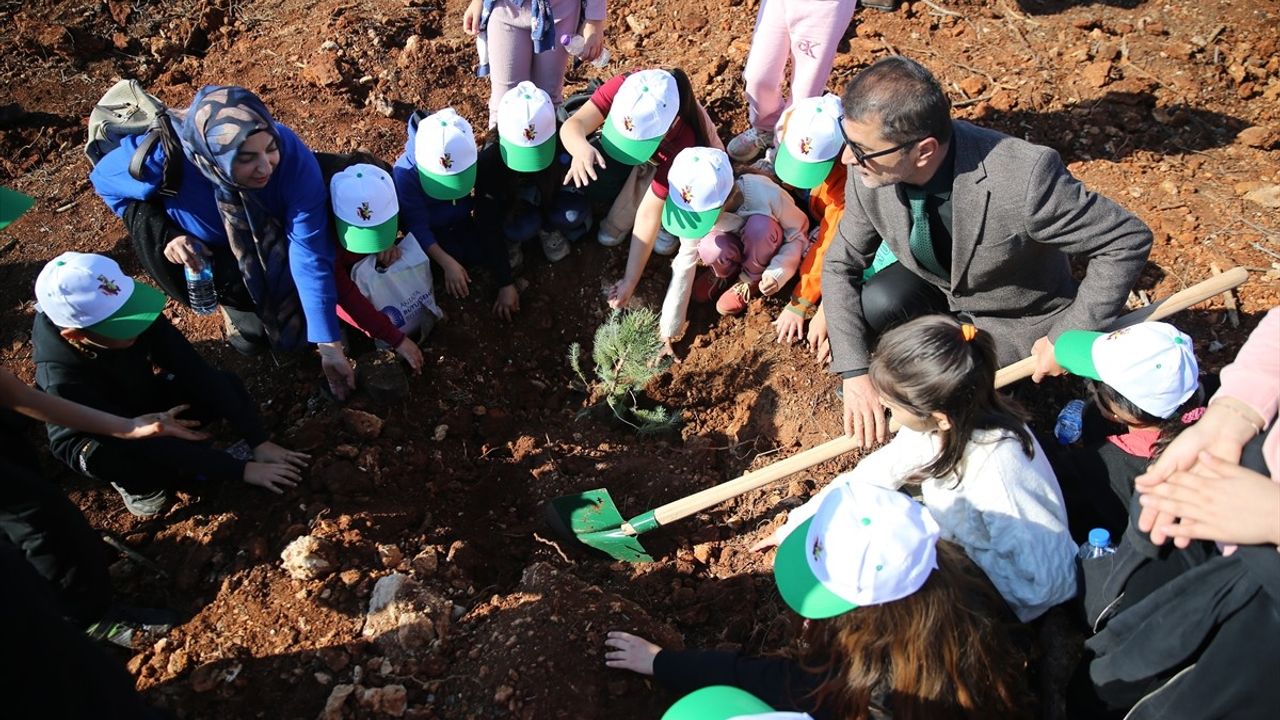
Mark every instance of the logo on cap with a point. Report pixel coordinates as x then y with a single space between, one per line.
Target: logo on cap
107 286
446 161
364 212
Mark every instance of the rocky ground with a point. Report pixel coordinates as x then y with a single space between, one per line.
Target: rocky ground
427 585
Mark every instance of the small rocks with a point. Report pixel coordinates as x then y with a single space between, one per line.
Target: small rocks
1257 137
1097 74
1267 196
363 425
426 562
337 698
322 70
440 433
503 694
308 558
389 700
390 555
973 86
403 616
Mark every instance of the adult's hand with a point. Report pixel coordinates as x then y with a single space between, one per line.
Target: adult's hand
790 327
593 34
409 351
471 17
630 652
269 452
1217 500
337 369
164 424
185 250
1222 432
272 476
582 169
508 302
864 419
1046 364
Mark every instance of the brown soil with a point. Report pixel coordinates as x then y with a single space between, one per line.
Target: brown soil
1171 109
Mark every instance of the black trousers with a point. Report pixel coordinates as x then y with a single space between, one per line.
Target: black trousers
51 670
895 295
49 532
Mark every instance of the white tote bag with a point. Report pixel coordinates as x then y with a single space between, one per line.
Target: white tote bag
402 291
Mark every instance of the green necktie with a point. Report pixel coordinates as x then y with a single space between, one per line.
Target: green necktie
921 240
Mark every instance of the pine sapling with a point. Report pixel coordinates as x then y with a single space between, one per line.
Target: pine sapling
627 355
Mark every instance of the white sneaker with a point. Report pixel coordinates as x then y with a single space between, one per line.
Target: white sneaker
666 243
608 240
745 146
554 245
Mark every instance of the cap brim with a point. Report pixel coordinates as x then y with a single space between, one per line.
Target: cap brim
624 149
522 158
366 240
136 315
716 702
448 187
686 223
800 588
798 173
12 205
1073 350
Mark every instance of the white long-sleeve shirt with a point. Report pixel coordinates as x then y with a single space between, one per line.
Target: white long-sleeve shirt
1006 511
760 196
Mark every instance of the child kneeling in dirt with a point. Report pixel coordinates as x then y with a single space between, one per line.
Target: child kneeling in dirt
978 467
898 623
96 337
748 231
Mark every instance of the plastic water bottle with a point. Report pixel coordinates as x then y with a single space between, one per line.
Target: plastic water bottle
1098 545
1070 425
574 44
200 290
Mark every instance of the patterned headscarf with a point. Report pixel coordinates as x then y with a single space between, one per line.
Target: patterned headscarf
218 122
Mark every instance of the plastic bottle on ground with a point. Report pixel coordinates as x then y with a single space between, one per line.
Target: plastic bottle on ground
200 290
574 44
1070 425
1098 544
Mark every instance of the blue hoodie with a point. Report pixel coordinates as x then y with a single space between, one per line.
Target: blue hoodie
296 194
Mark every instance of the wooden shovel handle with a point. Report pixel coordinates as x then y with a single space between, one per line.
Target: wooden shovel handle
1180 300
717 494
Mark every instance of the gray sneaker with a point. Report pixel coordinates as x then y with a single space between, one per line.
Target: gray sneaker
143 505
666 243
515 256
554 245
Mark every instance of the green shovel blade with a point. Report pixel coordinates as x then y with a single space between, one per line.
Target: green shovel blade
593 519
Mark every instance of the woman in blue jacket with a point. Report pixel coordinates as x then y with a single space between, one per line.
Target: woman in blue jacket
253 203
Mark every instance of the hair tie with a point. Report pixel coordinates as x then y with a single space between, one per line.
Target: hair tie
968 332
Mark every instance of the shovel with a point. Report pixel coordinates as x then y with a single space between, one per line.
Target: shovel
592 518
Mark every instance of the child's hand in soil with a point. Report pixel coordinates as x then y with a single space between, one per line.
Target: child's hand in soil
620 294
668 351
456 279
629 652
165 424
269 452
790 327
773 540
508 302
819 342
272 476
409 351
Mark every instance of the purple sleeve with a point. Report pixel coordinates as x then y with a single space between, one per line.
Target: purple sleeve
595 10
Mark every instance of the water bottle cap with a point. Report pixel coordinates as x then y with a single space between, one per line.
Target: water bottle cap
565 39
1099 537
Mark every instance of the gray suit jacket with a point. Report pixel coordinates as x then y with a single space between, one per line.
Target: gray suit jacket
1017 216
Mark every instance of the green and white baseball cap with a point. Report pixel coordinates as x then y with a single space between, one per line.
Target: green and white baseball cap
866 545
809 141
365 204
698 183
445 152
12 205
91 292
724 702
1152 364
527 128
641 114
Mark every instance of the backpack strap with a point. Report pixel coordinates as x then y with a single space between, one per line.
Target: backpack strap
171 175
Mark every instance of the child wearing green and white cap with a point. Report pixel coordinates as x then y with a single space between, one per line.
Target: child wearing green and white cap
977 465
899 624
97 336
1145 380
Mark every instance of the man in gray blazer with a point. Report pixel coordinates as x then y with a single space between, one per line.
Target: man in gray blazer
982 224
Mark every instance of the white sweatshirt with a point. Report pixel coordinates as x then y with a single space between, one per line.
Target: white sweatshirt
1006 512
760 196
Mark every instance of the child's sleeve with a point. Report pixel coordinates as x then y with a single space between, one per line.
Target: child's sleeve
1253 377
675 306
783 264
827 204
357 311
